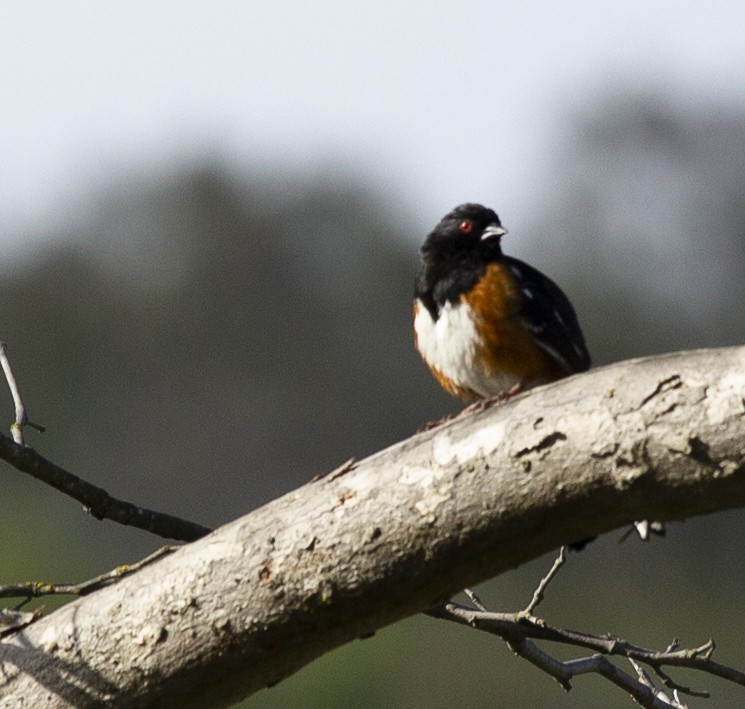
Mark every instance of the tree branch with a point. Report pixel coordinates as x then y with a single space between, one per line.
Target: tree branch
96 500
518 630
37 589
541 589
660 438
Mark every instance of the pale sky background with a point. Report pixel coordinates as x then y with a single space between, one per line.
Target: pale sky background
442 101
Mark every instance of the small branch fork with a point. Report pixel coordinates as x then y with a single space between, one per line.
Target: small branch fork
519 630
21 418
96 500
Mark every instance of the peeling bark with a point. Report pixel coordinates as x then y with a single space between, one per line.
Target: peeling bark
659 438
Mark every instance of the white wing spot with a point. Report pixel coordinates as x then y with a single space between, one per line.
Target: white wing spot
528 293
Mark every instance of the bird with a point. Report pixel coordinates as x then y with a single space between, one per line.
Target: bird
488 325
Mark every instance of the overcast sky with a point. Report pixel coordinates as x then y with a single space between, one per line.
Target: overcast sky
444 101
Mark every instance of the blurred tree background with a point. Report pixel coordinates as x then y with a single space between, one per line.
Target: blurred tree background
207 341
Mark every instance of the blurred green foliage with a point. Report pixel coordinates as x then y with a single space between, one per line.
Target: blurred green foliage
207 341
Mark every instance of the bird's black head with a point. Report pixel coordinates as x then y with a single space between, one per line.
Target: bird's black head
468 229
456 253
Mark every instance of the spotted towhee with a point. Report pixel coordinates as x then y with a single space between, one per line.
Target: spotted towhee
486 324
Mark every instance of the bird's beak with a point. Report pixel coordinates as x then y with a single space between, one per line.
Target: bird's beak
493 230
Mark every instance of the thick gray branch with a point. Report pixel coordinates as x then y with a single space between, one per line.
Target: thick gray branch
660 438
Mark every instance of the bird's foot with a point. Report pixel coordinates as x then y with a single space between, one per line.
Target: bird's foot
429 425
489 401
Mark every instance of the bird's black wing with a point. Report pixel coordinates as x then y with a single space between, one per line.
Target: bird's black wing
550 317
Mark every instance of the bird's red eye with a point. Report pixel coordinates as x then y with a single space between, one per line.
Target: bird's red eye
466 226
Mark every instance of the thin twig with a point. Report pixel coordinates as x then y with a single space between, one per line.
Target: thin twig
520 630
545 581
475 599
96 500
563 672
646 680
21 417
511 626
35 589
519 634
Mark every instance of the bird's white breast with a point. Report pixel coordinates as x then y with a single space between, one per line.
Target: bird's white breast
450 345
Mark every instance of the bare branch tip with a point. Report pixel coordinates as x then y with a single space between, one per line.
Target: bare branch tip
538 594
475 599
